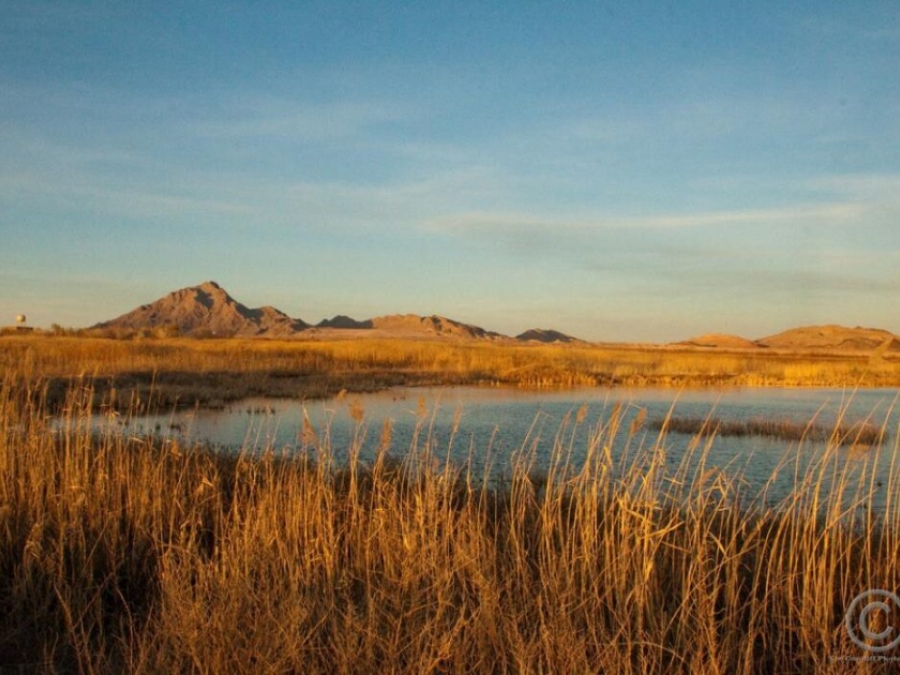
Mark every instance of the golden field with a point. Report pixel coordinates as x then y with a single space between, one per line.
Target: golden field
212 372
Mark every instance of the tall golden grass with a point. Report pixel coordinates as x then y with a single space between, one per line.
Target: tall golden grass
215 371
124 554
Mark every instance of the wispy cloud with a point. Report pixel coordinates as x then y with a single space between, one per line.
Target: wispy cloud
512 223
101 199
297 120
605 130
884 188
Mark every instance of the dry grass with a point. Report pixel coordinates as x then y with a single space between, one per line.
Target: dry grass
215 371
856 434
130 555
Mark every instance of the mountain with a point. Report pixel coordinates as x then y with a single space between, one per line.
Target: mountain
720 341
439 326
207 309
832 337
344 323
545 335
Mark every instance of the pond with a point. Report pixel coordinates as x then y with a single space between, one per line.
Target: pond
483 427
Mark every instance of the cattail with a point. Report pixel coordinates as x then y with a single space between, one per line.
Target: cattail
638 421
386 433
457 418
308 435
582 413
422 410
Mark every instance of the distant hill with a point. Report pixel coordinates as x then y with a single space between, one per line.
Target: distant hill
413 324
807 339
720 341
832 337
344 322
207 309
545 335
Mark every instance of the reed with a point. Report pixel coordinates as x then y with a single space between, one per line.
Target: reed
213 372
858 433
129 554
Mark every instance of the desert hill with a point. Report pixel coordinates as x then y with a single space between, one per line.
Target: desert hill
207 309
545 335
414 324
833 337
720 341
344 323
807 339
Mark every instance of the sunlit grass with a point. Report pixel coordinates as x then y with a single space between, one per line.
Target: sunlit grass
127 554
857 434
215 371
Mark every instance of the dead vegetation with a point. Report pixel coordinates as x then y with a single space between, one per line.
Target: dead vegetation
212 372
126 554
858 433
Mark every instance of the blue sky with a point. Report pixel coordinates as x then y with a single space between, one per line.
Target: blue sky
639 171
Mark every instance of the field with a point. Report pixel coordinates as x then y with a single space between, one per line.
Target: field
212 372
140 555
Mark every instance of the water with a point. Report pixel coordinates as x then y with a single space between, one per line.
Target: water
492 425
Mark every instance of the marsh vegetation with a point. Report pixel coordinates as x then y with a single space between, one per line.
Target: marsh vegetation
214 372
856 434
123 553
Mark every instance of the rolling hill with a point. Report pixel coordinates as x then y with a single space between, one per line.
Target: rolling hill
828 338
720 341
440 326
833 337
545 335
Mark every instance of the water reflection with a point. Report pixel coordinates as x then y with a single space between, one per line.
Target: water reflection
493 426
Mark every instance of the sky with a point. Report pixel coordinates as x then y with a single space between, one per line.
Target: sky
619 171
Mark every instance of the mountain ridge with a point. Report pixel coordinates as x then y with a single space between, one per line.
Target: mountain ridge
208 310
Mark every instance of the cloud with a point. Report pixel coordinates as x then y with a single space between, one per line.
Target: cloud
49 177
99 198
825 204
606 130
296 120
523 223
834 258
883 188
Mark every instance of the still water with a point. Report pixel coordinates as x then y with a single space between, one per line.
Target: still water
492 426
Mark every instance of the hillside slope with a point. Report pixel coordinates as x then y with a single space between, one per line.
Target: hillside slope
545 335
833 337
207 309
720 341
